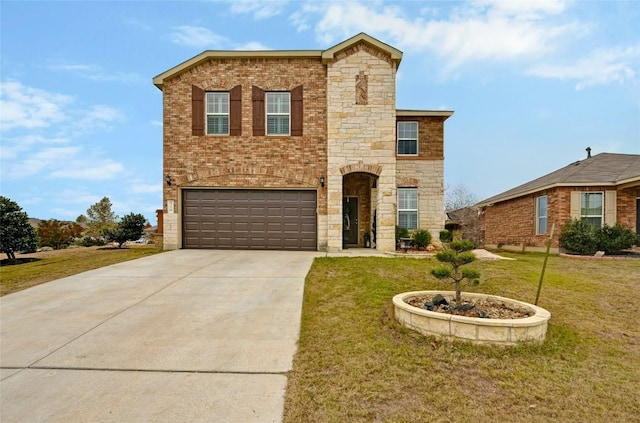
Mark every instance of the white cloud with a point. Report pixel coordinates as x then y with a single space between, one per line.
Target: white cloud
261 9
39 161
146 188
96 73
601 67
27 107
89 169
197 36
480 31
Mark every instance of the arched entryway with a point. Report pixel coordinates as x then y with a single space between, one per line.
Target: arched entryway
359 206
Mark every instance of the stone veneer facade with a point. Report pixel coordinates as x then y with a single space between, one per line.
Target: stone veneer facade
349 134
362 136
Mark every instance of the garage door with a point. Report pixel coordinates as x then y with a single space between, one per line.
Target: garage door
249 219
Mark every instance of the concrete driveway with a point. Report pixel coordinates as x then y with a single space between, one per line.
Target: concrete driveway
183 336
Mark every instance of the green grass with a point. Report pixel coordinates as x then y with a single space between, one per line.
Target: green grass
50 265
355 364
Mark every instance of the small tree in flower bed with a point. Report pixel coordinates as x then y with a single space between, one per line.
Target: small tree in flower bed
457 254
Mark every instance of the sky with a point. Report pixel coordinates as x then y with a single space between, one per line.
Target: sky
532 84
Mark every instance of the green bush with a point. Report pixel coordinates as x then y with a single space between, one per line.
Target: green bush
401 233
89 241
446 236
614 239
421 238
581 238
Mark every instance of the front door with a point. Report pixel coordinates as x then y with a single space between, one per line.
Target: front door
350 220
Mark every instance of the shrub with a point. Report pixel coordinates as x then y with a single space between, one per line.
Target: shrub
581 238
614 239
421 238
578 237
401 233
446 236
457 254
89 241
130 228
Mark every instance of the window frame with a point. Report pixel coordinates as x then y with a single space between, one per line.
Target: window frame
409 209
540 217
267 94
226 114
416 139
584 200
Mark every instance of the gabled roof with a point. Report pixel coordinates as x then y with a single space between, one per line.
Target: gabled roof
329 54
324 55
604 169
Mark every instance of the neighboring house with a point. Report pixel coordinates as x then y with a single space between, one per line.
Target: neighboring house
603 189
300 150
464 223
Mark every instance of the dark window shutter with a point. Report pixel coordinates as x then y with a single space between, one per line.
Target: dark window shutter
235 111
257 96
296 111
197 110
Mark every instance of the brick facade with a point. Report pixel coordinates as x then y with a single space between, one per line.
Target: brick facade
348 136
512 223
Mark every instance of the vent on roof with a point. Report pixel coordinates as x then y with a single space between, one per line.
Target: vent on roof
588 152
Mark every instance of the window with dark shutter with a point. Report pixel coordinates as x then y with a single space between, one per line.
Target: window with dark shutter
296 111
257 97
197 110
235 111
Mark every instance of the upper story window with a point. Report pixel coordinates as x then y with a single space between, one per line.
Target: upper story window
278 113
217 113
408 208
591 208
407 138
541 214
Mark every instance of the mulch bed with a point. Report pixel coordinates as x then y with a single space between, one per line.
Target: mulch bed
488 308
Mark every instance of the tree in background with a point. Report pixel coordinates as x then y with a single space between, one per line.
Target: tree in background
99 217
130 228
16 234
58 235
457 197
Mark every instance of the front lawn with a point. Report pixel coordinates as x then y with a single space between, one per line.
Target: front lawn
34 269
355 364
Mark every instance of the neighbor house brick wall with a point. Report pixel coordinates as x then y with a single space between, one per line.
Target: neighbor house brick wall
245 161
361 134
627 209
512 222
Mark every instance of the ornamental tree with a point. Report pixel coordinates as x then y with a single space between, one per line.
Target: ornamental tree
456 255
56 234
16 234
130 228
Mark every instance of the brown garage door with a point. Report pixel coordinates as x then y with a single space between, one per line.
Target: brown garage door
249 219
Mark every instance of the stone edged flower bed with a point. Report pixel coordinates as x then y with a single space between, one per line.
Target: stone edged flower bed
473 329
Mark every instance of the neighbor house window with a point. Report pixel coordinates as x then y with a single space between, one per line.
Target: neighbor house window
541 215
278 113
408 208
407 138
217 113
591 208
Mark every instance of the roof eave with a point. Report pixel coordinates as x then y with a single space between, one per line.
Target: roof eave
545 187
429 113
158 80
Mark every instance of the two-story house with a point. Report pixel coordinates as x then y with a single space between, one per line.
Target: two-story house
300 150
